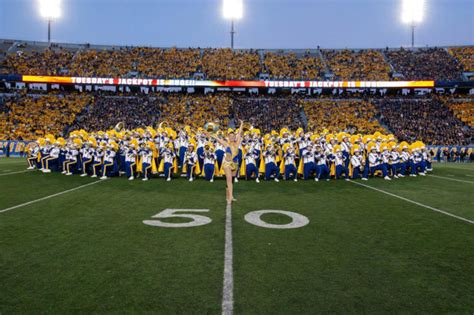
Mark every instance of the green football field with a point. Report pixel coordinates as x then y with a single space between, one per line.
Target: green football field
77 245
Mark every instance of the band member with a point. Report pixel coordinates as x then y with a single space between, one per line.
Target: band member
98 155
131 156
146 156
309 167
271 169
322 169
250 158
190 161
209 160
32 157
87 154
357 162
109 160
289 157
340 162
53 159
375 163
167 160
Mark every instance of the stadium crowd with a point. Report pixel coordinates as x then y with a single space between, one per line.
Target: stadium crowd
221 64
425 64
427 120
341 115
364 65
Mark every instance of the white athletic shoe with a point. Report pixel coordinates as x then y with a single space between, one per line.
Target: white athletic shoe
400 175
145 179
212 180
63 172
316 179
93 176
363 178
295 180
348 179
191 179
422 174
69 174
83 175
103 177
31 168
395 176
257 180
46 171
276 179
131 178
168 179
236 180
387 178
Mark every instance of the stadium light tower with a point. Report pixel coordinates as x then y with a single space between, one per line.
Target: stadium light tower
412 14
50 9
233 10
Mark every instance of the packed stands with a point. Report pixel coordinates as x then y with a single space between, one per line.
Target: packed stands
167 63
462 109
222 64
365 65
340 115
425 64
27 117
268 113
427 120
195 111
106 111
289 66
465 55
46 62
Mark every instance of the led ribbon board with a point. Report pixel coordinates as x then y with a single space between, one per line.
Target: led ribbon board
228 83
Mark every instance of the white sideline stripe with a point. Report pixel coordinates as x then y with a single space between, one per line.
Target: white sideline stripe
453 179
416 203
15 172
228 288
50 196
470 175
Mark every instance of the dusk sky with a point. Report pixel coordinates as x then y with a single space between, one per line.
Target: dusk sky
266 23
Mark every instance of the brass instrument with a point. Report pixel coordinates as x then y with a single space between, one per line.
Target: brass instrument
211 127
163 125
120 126
247 127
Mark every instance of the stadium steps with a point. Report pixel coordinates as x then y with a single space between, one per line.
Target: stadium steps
323 59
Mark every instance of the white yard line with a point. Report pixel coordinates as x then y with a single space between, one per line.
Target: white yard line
453 179
416 203
15 172
228 289
50 196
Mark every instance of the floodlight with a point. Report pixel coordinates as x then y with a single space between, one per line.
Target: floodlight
233 9
50 9
412 13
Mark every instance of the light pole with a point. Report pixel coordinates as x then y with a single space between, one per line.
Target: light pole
412 14
233 10
50 9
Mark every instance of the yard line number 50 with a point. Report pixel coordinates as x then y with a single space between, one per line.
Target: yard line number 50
253 217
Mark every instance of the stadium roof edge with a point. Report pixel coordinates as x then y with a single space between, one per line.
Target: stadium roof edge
41 44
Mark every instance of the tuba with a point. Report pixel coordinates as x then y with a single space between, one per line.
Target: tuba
163 125
247 127
211 127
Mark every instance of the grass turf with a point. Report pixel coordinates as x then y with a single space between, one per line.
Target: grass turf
88 251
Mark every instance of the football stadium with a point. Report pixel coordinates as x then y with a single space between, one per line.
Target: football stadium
228 179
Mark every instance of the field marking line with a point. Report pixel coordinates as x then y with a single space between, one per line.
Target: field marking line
453 179
15 172
50 196
415 202
469 175
228 288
